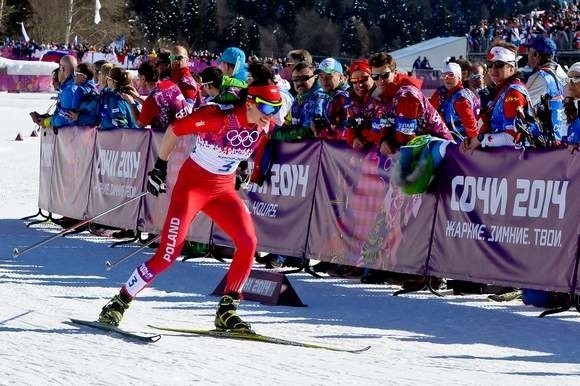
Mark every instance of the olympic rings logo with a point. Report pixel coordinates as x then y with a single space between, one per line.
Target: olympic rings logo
244 137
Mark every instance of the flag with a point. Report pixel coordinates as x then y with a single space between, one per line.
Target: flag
24 34
415 167
97 11
76 41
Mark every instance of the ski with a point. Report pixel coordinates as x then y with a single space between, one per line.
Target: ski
127 334
257 338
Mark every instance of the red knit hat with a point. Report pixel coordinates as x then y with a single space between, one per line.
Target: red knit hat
269 93
360 65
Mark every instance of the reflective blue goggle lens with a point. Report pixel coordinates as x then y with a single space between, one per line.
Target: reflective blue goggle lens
267 109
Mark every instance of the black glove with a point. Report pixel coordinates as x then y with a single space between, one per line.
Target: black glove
157 176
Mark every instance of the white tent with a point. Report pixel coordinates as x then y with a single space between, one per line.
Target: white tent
436 50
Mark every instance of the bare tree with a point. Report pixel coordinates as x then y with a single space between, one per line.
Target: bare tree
1 13
51 21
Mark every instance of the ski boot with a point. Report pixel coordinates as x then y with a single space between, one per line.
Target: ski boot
226 317
112 312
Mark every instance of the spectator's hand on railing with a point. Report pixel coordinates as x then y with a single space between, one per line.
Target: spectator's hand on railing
470 144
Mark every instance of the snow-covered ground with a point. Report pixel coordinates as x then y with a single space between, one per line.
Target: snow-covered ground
416 339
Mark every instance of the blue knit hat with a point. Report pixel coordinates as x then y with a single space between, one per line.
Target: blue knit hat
237 58
542 45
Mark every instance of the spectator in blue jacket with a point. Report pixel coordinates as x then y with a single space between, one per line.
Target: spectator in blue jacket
65 98
86 97
116 113
61 117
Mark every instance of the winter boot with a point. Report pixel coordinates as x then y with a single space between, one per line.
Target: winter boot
112 312
226 317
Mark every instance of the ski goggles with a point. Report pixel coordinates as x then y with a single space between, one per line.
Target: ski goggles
176 58
265 107
447 75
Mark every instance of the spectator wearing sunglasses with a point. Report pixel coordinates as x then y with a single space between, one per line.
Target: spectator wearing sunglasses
66 93
333 97
572 106
510 104
292 59
458 106
478 81
116 113
206 183
211 81
388 80
86 98
181 76
303 107
407 109
366 121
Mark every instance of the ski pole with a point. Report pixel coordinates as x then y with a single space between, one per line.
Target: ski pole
109 265
16 252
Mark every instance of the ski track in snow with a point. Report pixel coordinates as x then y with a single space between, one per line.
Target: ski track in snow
416 339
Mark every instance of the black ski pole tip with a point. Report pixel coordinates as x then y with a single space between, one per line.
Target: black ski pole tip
15 252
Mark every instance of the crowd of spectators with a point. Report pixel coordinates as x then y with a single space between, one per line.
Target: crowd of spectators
560 22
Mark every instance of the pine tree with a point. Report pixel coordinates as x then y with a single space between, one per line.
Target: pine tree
442 20
191 24
286 16
360 10
253 38
171 20
210 26
350 42
236 34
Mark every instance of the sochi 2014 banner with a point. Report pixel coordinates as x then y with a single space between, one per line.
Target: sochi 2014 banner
508 217
118 173
71 175
361 219
281 207
47 144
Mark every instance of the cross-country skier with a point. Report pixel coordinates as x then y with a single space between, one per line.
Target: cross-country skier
206 183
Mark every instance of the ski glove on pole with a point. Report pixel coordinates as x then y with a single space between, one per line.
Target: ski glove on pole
157 176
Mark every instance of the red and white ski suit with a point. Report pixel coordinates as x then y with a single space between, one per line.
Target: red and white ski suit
206 183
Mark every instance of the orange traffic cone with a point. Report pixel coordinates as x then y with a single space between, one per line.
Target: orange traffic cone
34 133
18 138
